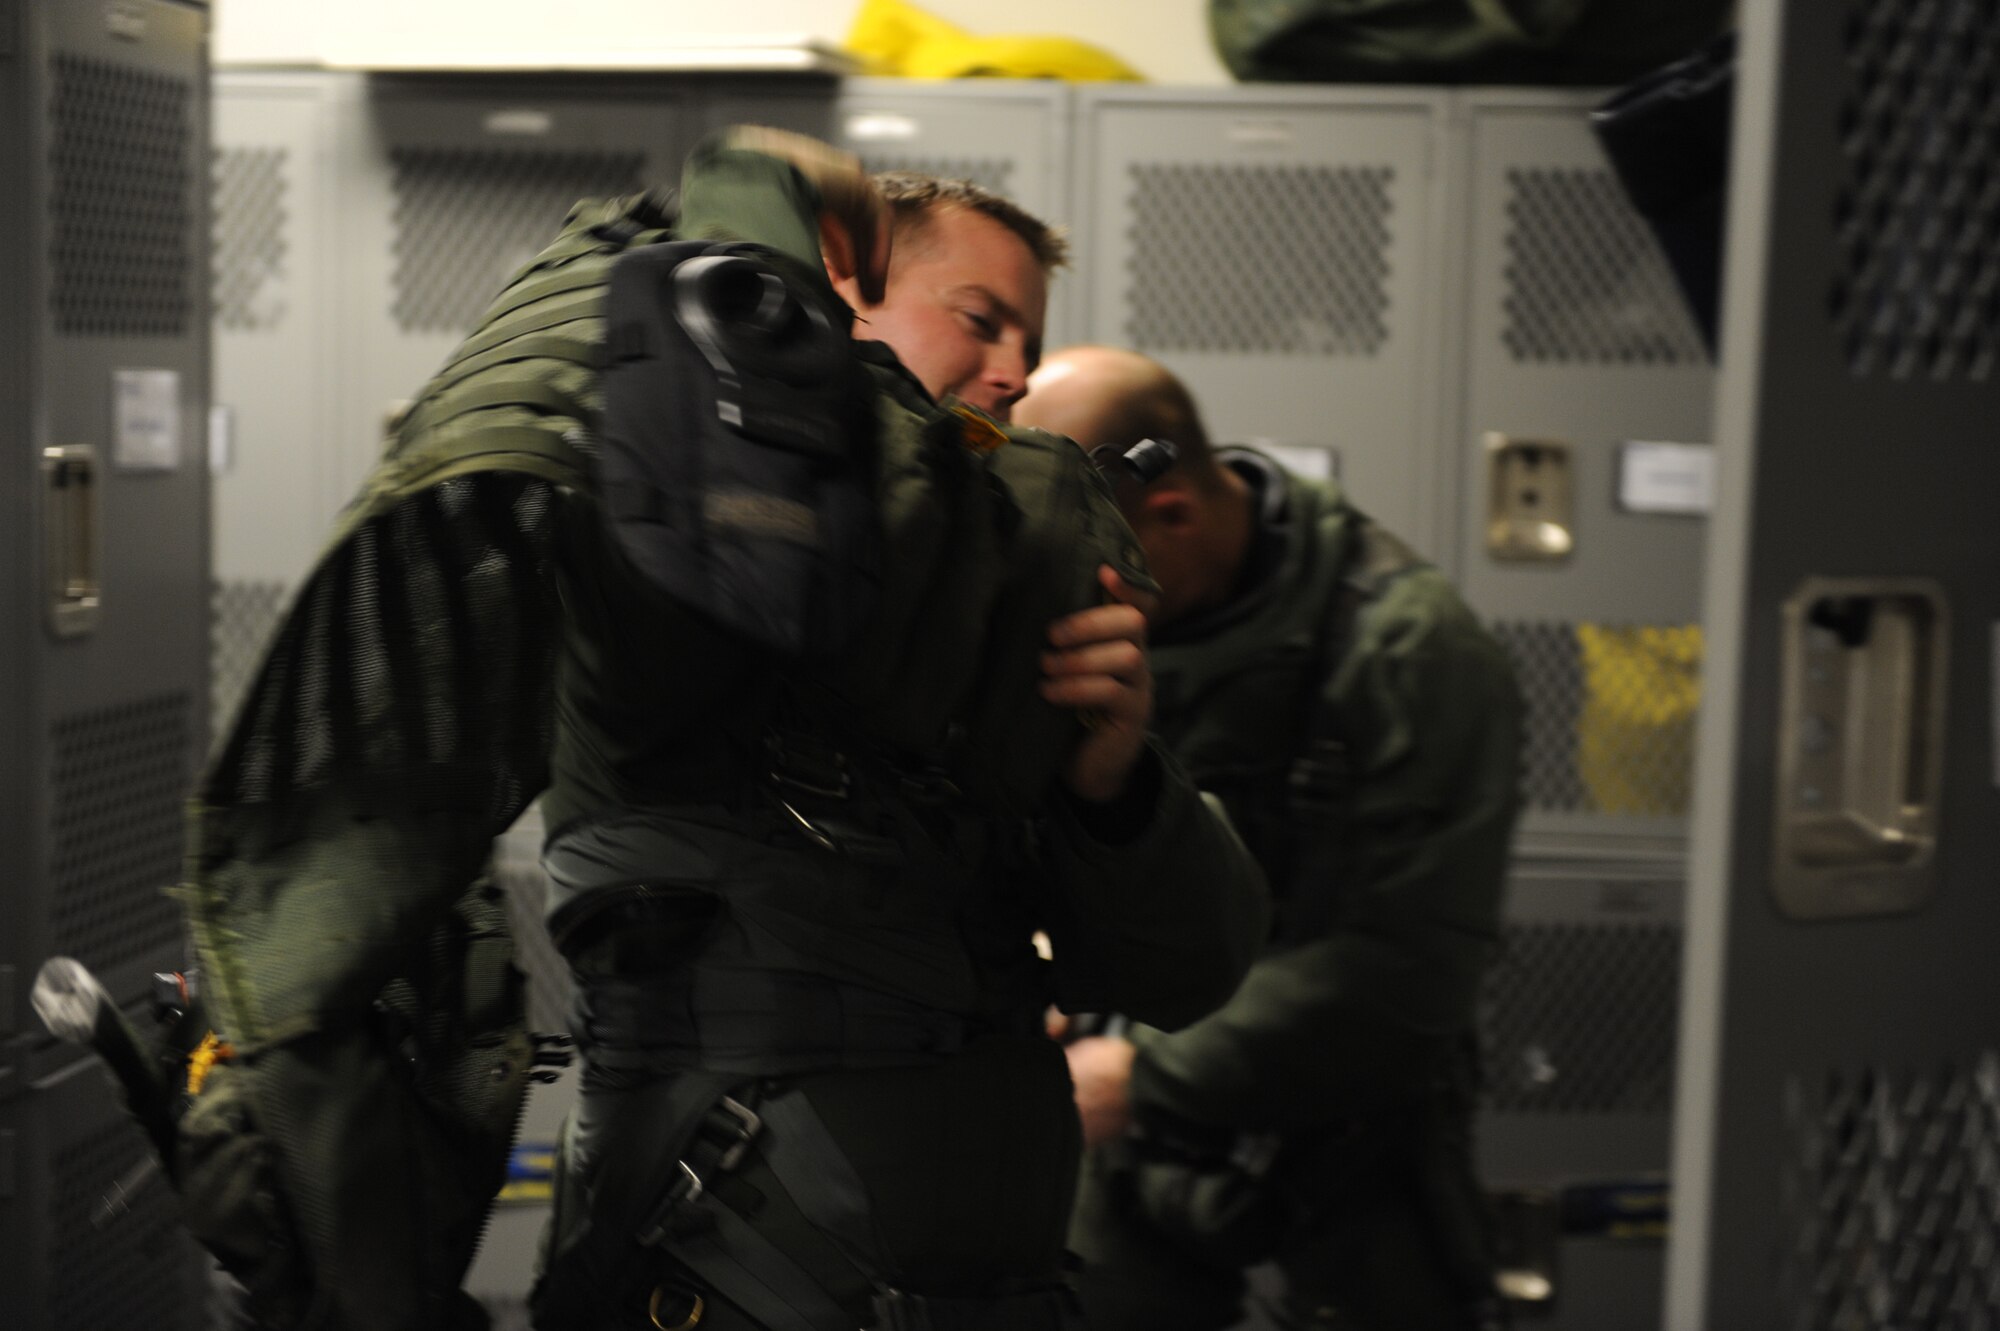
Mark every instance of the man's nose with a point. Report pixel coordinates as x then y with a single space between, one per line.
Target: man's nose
1007 377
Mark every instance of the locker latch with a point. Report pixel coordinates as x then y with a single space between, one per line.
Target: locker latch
1530 507
1860 746
71 538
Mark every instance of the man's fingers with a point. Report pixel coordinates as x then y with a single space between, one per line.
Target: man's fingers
1125 593
1093 691
1104 623
1120 658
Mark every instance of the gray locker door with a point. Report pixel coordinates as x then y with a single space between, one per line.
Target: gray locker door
277 481
104 572
1279 251
1575 337
106 348
1837 1149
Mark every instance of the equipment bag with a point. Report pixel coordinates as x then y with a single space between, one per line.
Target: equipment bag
1457 41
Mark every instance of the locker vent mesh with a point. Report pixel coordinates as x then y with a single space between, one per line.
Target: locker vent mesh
120 243
1610 715
1585 282
465 220
249 224
1580 1018
1916 291
518 868
141 1268
994 173
1272 260
1891 1197
242 617
121 776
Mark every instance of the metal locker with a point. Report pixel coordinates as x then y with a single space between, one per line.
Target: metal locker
277 484
1837 1130
1577 367
1278 249
93 1232
104 593
1584 382
1578 1023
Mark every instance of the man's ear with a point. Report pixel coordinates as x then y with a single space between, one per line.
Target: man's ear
836 249
856 264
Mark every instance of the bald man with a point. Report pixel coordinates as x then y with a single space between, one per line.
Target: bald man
1364 732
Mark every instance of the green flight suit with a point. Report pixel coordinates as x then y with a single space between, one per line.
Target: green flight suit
470 639
1364 732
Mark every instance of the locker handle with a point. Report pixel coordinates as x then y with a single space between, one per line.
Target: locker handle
1861 739
71 542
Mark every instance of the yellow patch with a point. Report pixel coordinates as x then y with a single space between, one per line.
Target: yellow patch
978 433
206 1055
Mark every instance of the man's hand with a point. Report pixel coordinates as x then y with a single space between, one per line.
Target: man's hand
1098 666
855 226
1100 1068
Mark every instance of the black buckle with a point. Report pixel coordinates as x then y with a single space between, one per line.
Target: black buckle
738 1125
743 1124
824 773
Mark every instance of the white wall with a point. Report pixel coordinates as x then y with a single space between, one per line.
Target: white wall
1167 40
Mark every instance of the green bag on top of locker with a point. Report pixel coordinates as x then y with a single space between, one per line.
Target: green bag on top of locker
1572 42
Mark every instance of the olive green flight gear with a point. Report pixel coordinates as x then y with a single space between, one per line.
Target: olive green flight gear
355 951
1458 41
1363 731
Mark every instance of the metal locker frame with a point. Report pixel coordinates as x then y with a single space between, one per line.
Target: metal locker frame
1351 367
1835 1132
103 703
1573 330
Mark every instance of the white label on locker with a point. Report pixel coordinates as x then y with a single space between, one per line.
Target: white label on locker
146 419
125 20
1263 134
521 123
879 127
1666 478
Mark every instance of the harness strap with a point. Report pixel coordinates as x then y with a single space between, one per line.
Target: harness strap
731 1222
755 1023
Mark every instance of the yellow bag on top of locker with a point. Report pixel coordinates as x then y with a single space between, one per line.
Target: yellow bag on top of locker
895 37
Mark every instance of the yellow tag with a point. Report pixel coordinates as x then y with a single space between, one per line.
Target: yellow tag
979 434
205 1056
